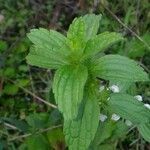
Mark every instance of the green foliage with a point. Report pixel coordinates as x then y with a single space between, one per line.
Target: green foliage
68 86
144 130
120 68
101 42
75 88
38 121
56 138
81 131
21 114
129 108
37 142
49 50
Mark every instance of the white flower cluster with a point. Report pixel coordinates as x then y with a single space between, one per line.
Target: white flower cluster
114 117
128 123
140 99
102 117
147 106
114 89
101 88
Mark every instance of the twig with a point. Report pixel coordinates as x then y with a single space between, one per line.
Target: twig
10 126
31 80
29 134
135 34
32 94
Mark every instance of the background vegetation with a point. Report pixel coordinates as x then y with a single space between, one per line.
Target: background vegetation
27 121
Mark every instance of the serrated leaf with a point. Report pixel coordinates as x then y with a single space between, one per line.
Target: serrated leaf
92 25
76 35
101 42
129 108
49 50
81 131
68 89
144 130
81 30
120 68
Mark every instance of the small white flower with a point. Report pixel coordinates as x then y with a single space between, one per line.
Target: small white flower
147 106
139 98
115 117
108 98
102 117
114 88
101 88
128 123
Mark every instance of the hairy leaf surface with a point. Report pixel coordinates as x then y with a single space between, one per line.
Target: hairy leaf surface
92 25
115 67
129 108
101 42
144 130
76 35
49 50
81 131
81 30
68 89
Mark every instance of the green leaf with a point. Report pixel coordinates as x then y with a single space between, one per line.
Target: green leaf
81 30
37 142
137 48
120 131
68 89
109 146
10 89
38 120
76 35
49 50
19 124
144 130
56 138
115 67
129 108
123 86
92 25
81 131
101 42
3 45
105 131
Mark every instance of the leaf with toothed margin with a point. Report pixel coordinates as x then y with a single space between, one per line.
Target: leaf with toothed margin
120 68
101 42
92 25
81 30
68 89
128 108
81 131
49 50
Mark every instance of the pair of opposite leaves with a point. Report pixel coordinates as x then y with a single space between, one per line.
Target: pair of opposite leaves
74 58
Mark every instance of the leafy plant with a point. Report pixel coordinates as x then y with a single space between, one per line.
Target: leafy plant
79 68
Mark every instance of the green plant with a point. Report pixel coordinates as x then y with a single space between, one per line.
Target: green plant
79 67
